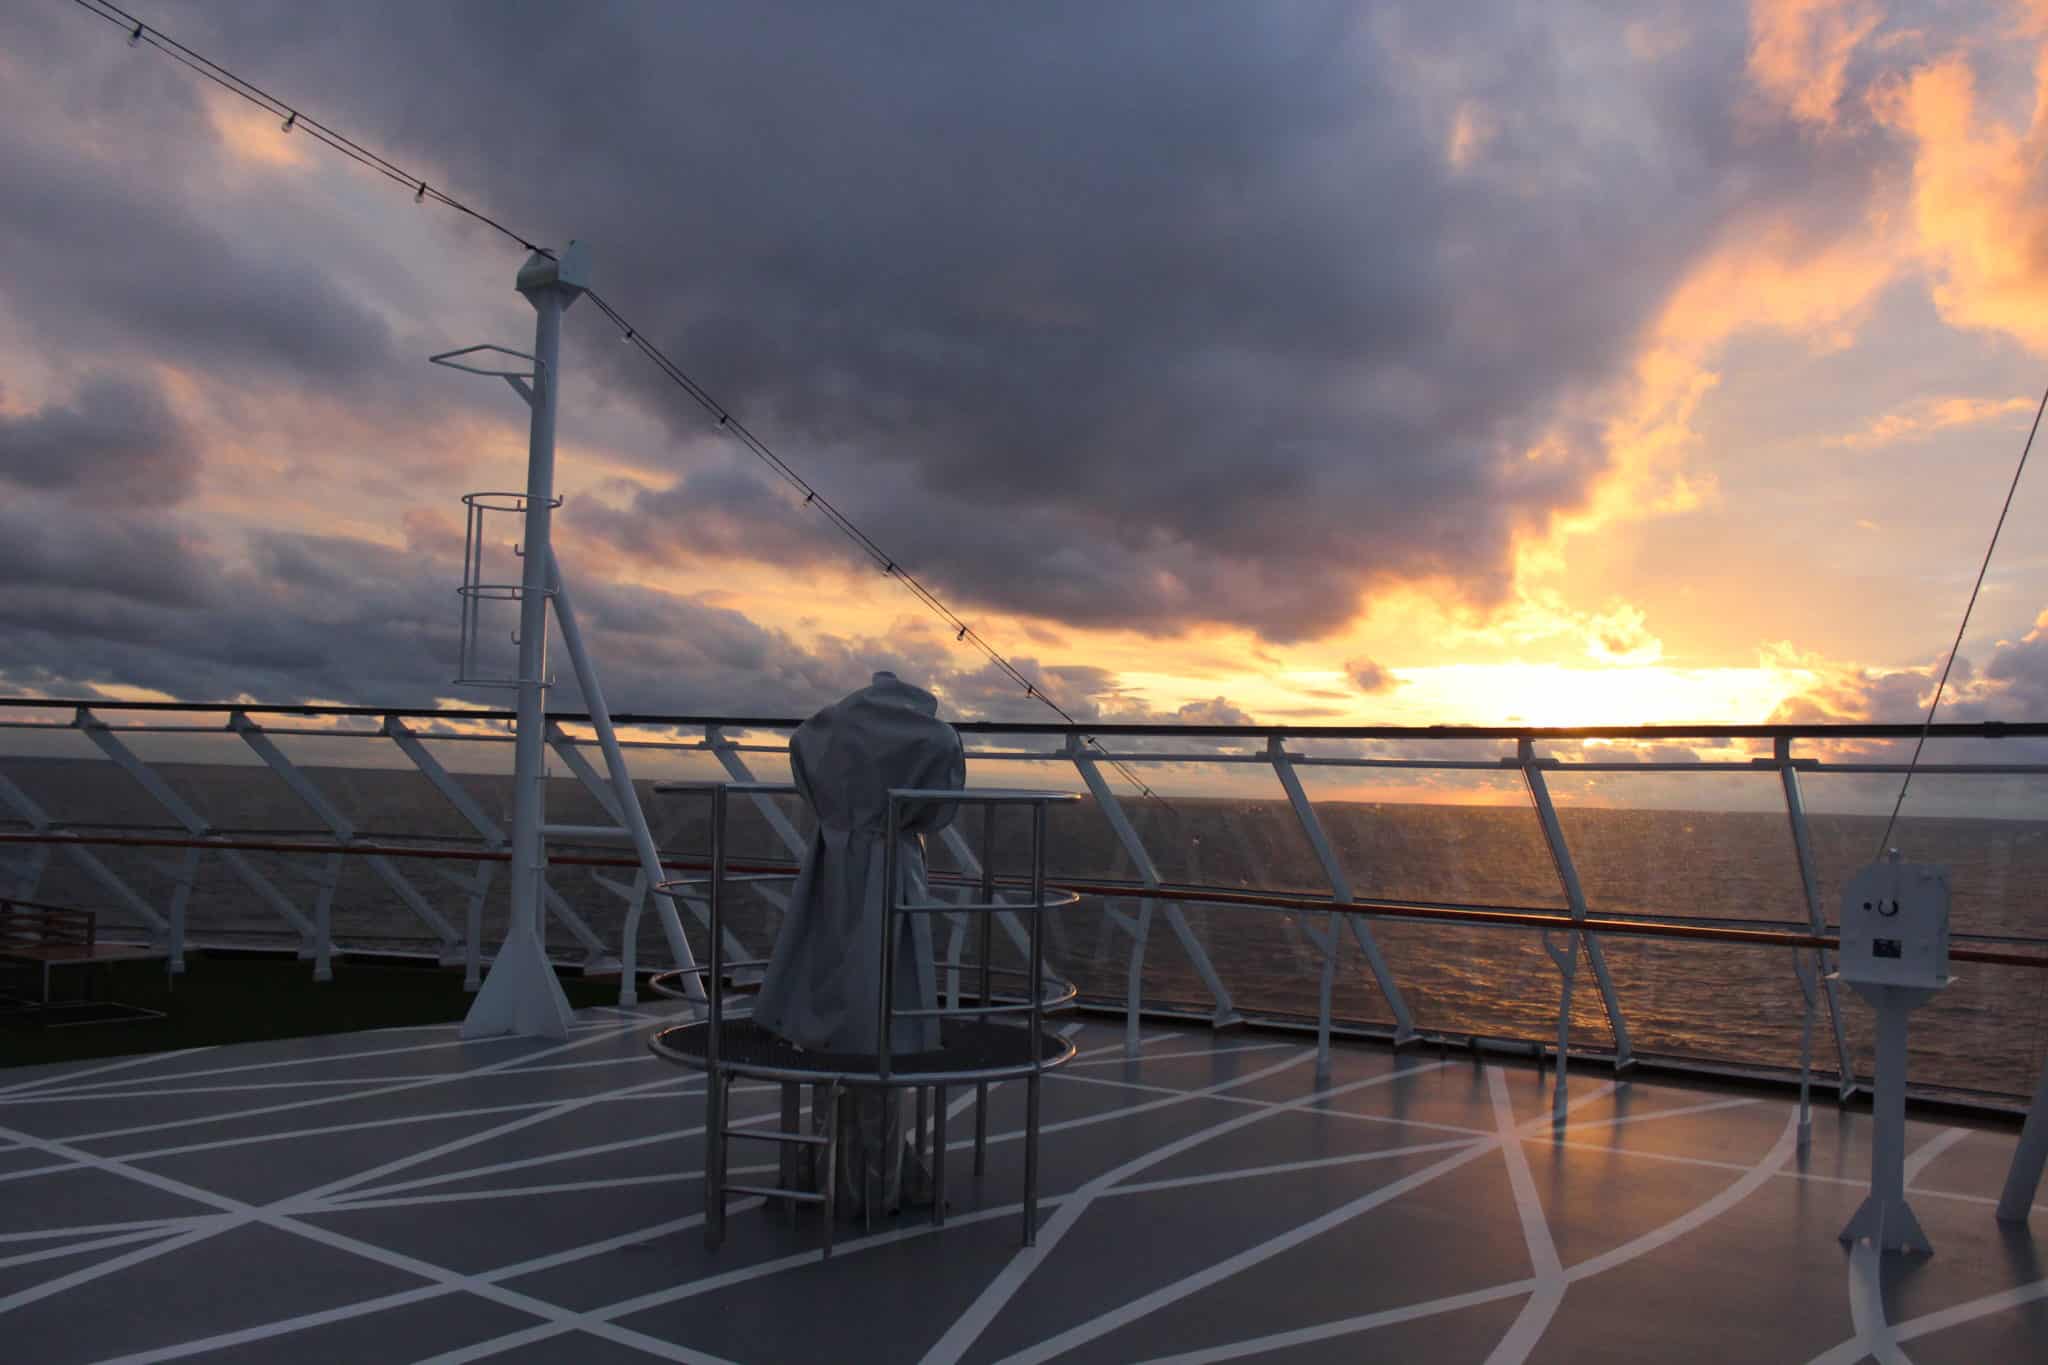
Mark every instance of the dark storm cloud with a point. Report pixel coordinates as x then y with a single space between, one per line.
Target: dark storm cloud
108 255
1108 315
115 435
134 558
1369 677
146 603
1157 315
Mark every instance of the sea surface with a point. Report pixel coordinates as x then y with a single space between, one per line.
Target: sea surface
1733 1004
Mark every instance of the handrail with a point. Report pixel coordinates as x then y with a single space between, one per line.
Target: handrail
1250 899
1989 729
1331 909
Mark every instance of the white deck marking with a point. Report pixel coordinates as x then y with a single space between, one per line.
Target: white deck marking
1173 1056
1987 1201
1923 1156
1182 1182
25 1173
558 1322
322 1193
1061 1075
999 1291
88 1274
124 1064
1121 1316
419 1083
1752 1180
1874 1337
279 1216
85 1230
95 1244
1159 1298
266 1330
1617 1121
661 1297
518 1191
264 1066
129 1096
245 1212
2004 1299
1530 1324
1344 1327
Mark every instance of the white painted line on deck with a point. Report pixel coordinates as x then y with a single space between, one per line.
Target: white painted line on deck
1923 1156
1530 1324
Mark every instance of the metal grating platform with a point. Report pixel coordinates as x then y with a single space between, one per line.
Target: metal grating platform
405 1196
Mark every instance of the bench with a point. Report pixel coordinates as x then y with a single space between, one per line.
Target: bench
45 937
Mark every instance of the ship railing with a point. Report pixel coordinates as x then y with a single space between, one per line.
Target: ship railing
1153 870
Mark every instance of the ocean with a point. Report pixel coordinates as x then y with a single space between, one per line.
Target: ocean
1729 1004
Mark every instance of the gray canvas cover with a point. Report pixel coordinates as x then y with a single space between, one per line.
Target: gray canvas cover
823 982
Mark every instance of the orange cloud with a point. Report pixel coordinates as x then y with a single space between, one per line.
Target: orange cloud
1930 415
1979 198
252 135
1800 49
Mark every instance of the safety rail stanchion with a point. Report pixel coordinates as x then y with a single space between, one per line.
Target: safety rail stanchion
986 1008
982 997
1816 919
1031 1082
715 1091
1575 897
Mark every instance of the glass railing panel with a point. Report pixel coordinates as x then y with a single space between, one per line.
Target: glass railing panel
72 781
1449 836
1682 844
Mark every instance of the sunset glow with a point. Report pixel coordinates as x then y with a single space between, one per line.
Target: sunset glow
1637 410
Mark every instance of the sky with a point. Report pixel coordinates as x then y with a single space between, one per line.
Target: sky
1307 364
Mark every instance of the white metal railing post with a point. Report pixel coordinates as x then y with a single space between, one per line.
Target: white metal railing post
1340 888
478 884
323 918
1112 810
1138 927
2023 1177
626 799
1816 918
1575 898
736 768
184 873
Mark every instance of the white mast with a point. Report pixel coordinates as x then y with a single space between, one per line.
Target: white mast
521 995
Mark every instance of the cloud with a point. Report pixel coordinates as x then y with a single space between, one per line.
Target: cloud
1621 636
1801 49
1168 327
117 437
1369 678
1928 415
1979 200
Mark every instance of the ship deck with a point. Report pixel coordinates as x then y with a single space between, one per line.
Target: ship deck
403 1195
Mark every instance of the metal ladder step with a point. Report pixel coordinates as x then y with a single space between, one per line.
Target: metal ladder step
766 1135
771 1192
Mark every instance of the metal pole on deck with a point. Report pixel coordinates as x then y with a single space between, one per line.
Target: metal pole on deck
521 995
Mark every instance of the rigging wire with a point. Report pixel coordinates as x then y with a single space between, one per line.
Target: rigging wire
292 118
1975 588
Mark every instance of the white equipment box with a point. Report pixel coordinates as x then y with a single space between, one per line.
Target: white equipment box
1895 926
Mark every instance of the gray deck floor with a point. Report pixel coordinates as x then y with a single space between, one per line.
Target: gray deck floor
403 1196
